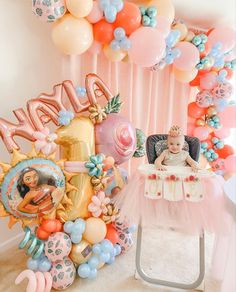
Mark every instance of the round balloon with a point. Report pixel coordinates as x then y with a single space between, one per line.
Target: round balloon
95 14
164 8
79 8
230 163
218 164
204 98
81 252
185 76
48 11
147 46
73 36
32 187
227 117
201 133
103 32
226 151
112 55
95 230
189 56
225 36
208 81
194 111
222 90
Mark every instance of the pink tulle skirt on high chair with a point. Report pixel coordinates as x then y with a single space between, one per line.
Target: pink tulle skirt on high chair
178 198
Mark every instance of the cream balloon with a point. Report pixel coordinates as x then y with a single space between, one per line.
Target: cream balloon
112 55
71 35
95 230
79 8
164 8
182 28
190 35
185 76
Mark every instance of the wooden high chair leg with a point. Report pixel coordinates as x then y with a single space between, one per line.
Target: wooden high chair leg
156 281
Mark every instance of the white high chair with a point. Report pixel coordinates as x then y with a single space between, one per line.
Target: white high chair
194 151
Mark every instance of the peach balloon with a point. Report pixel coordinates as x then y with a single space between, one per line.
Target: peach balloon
103 32
208 81
71 35
185 76
95 48
112 55
79 8
95 14
163 25
189 56
164 8
224 35
95 230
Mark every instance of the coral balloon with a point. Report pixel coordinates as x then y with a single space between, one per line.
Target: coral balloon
208 81
225 151
201 133
95 14
129 18
42 234
103 32
228 117
72 35
194 111
225 36
95 230
79 8
51 225
163 25
185 76
230 163
148 46
189 56
112 234
49 11
164 8
112 55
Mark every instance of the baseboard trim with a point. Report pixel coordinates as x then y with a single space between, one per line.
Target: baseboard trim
10 242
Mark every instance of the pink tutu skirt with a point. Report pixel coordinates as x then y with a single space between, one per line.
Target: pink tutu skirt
190 217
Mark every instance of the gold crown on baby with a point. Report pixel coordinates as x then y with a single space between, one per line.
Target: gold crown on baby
175 131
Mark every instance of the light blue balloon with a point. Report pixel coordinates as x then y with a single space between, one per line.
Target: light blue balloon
93 262
81 222
117 249
104 257
97 249
115 45
104 3
169 59
119 33
151 11
44 265
110 13
125 44
207 154
79 227
32 264
132 228
214 155
83 271
118 4
106 245
153 22
76 237
111 261
68 226
112 252
176 53
93 274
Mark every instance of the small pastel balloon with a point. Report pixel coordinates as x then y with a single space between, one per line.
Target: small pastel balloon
106 245
68 226
163 25
32 264
95 48
223 90
110 13
114 55
117 249
44 265
95 230
185 76
49 11
208 81
201 133
190 35
182 28
79 8
144 51
111 260
189 56
104 257
95 14
194 111
97 249
224 35
83 271
76 237
71 35
200 122
204 98
93 262
79 225
63 274
228 117
164 8
103 32
42 234
222 133
49 225
92 274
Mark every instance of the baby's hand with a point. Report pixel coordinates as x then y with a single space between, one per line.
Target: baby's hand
195 168
161 168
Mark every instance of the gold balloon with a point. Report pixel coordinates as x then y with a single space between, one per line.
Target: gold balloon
211 111
95 230
77 144
200 122
80 252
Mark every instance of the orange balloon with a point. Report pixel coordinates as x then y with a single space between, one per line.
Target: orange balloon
129 18
58 226
42 234
103 32
225 151
194 111
112 234
49 225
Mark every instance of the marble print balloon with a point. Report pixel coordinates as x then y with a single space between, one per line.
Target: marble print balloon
223 90
49 10
57 246
204 98
63 274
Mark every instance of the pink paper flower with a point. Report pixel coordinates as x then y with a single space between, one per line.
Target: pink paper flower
98 204
45 141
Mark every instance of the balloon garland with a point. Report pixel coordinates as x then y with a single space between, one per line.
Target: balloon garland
65 206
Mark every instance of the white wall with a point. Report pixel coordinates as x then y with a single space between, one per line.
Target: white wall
29 65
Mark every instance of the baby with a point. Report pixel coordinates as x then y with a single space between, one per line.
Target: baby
175 155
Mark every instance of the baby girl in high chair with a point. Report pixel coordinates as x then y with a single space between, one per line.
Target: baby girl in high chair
175 155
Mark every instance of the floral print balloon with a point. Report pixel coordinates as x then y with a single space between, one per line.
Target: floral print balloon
204 98
222 90
48 10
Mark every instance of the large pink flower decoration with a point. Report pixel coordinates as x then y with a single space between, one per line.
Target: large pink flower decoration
98 205
45 141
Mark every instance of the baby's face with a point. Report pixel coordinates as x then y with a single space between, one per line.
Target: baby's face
175 144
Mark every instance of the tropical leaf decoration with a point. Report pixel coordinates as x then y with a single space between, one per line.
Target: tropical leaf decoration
113 105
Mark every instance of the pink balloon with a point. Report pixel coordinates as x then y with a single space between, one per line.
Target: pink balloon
163 25
96 14
147 46
218 164
204 98
222 133
190 129
189 56
224 35
95 48
230 163
208 81
228 117
201 133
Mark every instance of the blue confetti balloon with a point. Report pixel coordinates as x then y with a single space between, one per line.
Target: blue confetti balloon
83 270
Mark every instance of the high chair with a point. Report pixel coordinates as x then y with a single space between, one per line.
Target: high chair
193 146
